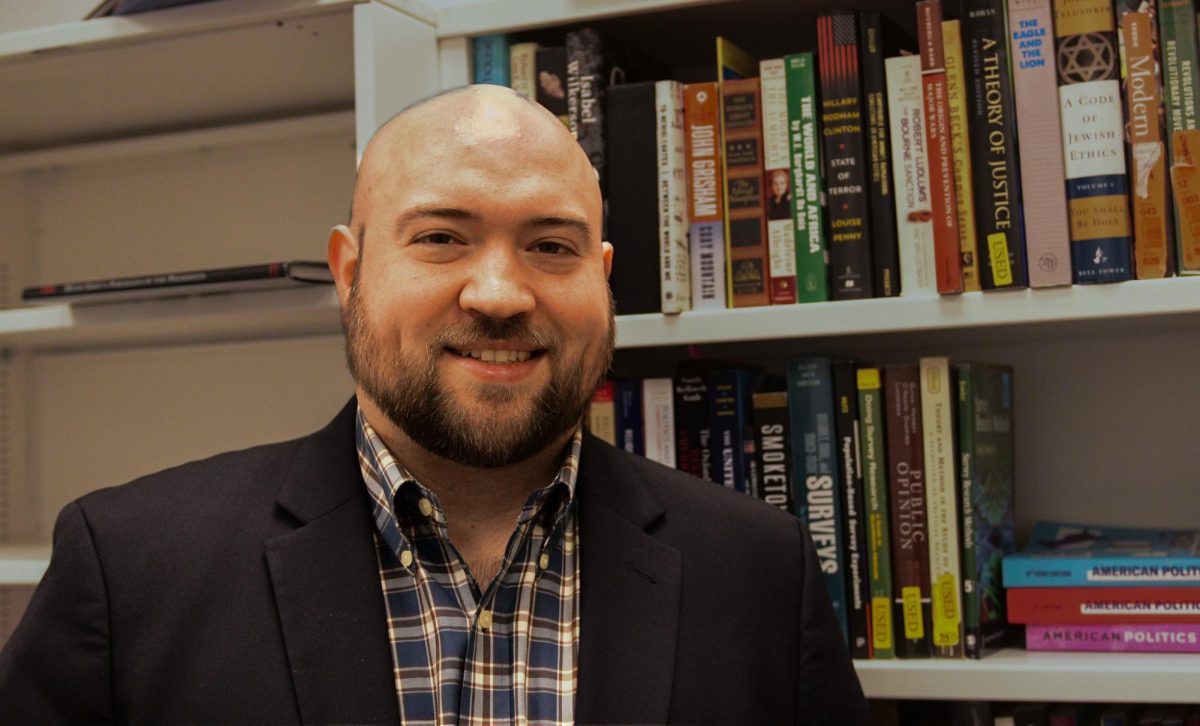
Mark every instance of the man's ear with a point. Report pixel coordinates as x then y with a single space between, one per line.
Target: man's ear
343 260
606 249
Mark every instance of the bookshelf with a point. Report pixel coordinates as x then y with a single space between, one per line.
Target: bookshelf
236 144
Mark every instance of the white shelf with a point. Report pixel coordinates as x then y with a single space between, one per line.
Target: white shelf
292 312
501 16
1092 306
1017 675
23 564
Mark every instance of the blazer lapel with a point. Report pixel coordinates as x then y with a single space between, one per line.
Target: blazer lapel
326 583
630 589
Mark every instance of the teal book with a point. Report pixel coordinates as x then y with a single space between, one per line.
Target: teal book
491 60
985 437
808 217
815 471
1062 554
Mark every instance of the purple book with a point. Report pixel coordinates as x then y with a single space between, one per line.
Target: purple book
1117 638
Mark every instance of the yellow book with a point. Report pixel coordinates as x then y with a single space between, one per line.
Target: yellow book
960 143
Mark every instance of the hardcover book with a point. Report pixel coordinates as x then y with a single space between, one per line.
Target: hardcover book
180 284
946 244
777 182
705 186
875 492
1104 605
522 65
872 48
1115 638
745 209
602 414
985 437
1141 77
914 204
815 482
912 605
552 81
1089 89
627 403
491 59
1000 229
960 150
858 586
674 266
1035 87
844 154
1181 89
773 449
658 416
1062 554
808 217
692 426
941 491
730 408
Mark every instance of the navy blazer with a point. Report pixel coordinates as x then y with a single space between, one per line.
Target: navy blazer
244 588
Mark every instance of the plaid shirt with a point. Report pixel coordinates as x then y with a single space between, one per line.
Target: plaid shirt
461 655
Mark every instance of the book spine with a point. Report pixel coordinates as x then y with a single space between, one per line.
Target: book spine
658 413
1147 156
633 208
858 585
1129 638
842 136
1180 55
811 419
773 450
674 266
911 171
1035 90
602 416
1103 605
732 439
552 82
777 182
911 608
884 254
1000 231
631 432
522 64
960 150
812 257
1093 140
588 67
491 59
745 224
966 456
946 245
874 467
691 424
941 492
1021 570
705 186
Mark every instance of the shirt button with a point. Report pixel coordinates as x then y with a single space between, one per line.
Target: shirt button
425 507
544 561
406 558
485 620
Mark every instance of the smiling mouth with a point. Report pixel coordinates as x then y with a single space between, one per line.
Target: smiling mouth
492 355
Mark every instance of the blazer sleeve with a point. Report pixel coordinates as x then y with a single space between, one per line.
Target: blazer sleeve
829 689
55 667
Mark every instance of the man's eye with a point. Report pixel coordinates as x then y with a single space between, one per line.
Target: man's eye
436 238
552 248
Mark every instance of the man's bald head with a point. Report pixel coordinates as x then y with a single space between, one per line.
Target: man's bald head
466 117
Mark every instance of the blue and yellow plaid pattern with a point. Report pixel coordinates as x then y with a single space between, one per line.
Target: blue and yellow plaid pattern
462 654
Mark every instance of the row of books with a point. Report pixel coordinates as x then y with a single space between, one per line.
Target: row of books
988 160
903 475
983 713
1092 588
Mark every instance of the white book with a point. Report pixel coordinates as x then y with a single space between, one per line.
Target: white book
941 505
708 265
910 177
674 266
658 417
522 68
777 181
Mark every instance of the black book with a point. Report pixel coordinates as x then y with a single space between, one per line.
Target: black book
992 123
858 584
181 284
692 427
772 448
877 41
843 127
633 199
551 68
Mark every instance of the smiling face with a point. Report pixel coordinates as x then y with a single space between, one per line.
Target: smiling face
477 315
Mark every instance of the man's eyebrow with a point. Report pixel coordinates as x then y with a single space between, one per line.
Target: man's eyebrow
578 226
409 216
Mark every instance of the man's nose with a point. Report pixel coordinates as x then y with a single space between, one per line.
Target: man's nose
497 284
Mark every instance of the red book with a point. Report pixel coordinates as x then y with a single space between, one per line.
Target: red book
947 254
1084 605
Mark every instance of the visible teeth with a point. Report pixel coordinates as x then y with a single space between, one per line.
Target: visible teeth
499 356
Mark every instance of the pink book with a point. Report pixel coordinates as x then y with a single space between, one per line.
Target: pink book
1117 638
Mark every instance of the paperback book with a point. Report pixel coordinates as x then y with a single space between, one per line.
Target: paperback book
1080 555
1115 638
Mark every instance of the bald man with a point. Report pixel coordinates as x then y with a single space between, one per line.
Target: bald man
452 548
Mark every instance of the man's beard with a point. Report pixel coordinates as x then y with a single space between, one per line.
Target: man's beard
411 393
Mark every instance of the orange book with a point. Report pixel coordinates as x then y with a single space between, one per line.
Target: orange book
746 266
